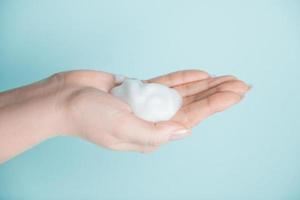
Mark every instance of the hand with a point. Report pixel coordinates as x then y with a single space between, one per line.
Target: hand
78 103
202 94
94 114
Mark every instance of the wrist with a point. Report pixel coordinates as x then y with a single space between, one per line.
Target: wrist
55 103
39 104
28 116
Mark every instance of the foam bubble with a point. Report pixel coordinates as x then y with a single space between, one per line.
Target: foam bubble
149 101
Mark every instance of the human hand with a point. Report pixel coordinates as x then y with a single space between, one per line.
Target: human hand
78 103
92 113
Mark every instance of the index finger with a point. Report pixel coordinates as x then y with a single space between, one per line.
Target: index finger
180 77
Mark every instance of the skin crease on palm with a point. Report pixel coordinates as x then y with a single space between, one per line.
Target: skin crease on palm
78 103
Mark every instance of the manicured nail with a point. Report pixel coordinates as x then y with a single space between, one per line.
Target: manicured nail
180 134
250 86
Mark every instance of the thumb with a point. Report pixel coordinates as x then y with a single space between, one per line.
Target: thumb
154 134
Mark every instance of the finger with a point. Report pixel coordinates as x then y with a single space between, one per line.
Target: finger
134 147
91 78
193 113
236 86
145 133
180 77
202 85
125 146
148 149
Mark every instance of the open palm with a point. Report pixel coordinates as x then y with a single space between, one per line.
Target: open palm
109 122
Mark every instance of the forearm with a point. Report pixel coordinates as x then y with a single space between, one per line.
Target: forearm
28 115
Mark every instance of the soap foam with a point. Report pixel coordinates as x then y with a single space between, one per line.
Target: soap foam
149 101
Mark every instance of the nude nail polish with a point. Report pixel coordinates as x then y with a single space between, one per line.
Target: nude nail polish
178 135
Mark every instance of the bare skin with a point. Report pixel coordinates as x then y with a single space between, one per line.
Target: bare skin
78 103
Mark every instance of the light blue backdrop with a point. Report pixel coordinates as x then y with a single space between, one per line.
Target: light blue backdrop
252 151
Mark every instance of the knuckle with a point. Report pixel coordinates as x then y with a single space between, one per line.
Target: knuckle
158 137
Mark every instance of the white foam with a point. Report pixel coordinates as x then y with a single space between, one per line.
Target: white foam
149 101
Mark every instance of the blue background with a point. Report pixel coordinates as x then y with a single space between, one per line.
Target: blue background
248 152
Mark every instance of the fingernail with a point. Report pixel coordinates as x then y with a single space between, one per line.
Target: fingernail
180 134
250 86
